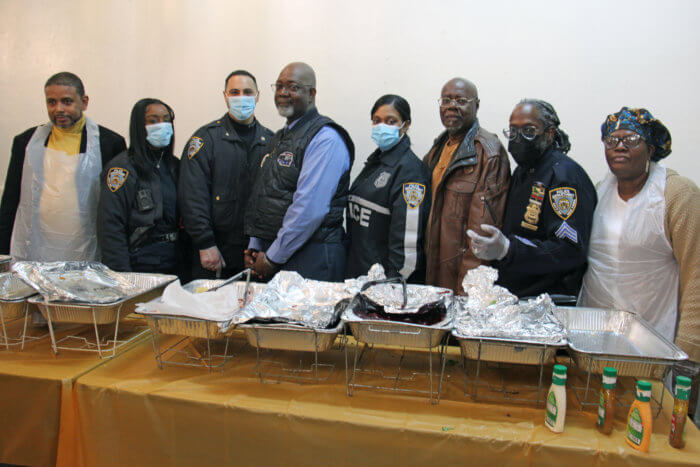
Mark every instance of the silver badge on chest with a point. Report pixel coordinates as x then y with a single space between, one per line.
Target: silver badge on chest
382 180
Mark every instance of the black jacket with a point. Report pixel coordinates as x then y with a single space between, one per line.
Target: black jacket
111 144
277 179
388 209
137 217
216 174
549 241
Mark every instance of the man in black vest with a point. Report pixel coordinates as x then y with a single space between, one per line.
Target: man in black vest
295 213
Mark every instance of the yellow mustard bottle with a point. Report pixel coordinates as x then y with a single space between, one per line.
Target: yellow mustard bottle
639 419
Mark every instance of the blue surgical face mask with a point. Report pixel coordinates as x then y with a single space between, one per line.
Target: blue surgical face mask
241 107
386 136
159 134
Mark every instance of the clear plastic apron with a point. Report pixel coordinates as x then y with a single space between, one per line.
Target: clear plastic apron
632 267
56 217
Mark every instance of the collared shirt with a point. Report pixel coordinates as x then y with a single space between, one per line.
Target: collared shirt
326 159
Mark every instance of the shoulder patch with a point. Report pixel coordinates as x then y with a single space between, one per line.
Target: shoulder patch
116 176
563 201
413 194
285 159
195 145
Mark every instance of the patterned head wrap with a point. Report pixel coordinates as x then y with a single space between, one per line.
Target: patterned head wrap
642 122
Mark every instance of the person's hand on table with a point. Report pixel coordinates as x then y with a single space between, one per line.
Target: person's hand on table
489 248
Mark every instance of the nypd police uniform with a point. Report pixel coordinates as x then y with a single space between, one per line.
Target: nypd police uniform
387 213
137 224
548 221
216 175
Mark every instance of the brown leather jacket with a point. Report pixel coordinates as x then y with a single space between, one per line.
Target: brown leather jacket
479 170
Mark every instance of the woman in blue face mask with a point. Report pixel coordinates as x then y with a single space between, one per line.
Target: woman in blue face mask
138 227
389 201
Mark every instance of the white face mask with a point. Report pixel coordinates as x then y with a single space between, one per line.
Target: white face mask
158 135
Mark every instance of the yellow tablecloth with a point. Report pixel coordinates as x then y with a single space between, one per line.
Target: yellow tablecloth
36 405
129 412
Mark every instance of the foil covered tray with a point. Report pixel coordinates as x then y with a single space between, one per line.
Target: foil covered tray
504 350
76 281
620 339
14 293
290 337
142 287
198 327
289 298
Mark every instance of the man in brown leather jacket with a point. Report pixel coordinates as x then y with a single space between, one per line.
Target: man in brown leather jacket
470 178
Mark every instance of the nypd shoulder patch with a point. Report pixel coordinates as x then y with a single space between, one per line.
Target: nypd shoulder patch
563 201
565 231
194 146
285 159
413 194
116 176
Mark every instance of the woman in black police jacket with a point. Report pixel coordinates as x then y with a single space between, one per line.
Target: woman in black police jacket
389 201
138 227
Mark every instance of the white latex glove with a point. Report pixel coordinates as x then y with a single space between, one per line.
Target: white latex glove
489 248
211 259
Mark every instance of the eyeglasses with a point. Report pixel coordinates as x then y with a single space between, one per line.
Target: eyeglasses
628 141
460 101
291 87
529 132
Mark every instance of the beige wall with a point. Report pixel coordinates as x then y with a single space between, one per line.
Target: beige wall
586 58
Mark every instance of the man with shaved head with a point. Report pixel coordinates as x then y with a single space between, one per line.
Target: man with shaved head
295 213
470 176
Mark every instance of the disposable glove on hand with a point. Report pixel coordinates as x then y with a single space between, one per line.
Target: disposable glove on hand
489 248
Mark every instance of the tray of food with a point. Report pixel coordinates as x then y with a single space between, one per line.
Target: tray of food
134 288
232 297
391 312
620 339
14 293
294 313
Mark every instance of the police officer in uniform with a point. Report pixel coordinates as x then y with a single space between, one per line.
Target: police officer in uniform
549 212
137 218
389 201
295 214
218 167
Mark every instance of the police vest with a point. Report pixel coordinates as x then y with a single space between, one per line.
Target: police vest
277 178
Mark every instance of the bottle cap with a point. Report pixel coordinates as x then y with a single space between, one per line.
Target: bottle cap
559 376
682 388
609 377
560 370
643 390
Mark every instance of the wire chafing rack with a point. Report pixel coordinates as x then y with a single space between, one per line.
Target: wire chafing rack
102 317
201 342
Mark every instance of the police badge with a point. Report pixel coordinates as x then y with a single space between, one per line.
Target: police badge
195 145
534 207
563 201
413 194
382 180
285 159
116 178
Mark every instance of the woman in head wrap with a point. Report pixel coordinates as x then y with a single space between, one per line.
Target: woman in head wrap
137 218
643 255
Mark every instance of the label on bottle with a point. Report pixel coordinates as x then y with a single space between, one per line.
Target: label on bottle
551 412
673 424
635 429
601 410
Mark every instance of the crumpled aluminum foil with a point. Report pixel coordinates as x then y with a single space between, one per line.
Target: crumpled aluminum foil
390 296
14 288
290 298
375 273
74 281
492 311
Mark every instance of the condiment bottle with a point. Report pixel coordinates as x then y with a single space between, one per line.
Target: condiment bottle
639 420
680 412
606 409
555 413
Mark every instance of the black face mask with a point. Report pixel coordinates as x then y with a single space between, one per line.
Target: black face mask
525 152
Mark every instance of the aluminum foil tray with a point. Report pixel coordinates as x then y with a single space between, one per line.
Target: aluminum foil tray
145 287
196 327
621 339
5 261
503 350
290 337
383 332
13 296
